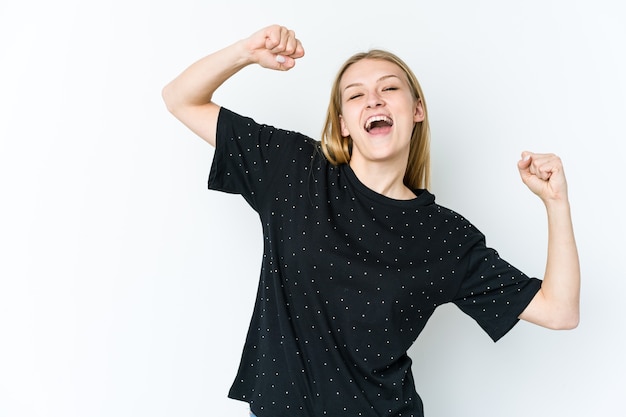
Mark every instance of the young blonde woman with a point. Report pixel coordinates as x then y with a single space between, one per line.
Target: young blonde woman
357 253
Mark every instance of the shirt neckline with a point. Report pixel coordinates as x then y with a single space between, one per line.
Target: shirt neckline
422 196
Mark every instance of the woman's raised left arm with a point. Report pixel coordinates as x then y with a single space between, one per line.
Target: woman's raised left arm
557 304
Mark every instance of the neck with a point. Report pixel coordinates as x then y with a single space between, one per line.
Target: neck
383 178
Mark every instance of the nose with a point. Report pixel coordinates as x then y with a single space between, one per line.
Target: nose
374 99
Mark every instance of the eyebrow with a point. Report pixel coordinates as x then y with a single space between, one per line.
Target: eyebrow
384 77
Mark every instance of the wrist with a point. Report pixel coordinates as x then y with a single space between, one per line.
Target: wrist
557 206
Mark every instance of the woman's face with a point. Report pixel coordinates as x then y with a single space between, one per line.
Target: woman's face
378 111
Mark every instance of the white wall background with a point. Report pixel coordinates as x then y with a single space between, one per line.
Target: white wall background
126 287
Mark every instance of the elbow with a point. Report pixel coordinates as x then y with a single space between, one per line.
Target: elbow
172 99
566 322
571 324
559 314
168 98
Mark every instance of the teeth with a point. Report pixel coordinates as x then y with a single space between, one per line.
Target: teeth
373 119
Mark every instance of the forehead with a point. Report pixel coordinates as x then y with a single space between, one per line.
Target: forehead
368 71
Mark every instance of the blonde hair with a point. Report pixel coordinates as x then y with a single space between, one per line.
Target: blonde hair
338 149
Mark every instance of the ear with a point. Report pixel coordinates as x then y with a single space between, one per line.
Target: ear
419 114
344 130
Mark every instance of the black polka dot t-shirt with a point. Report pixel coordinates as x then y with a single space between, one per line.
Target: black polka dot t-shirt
349 278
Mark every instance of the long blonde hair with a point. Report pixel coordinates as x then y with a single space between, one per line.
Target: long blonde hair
338 148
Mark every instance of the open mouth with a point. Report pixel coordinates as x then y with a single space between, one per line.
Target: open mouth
377 122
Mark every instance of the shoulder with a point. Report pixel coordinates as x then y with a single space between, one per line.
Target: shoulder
230 122
452 222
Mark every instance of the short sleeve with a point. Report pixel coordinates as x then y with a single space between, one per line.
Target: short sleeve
248 156
494 293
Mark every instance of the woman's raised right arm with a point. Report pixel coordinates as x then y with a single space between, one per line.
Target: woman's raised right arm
189 96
